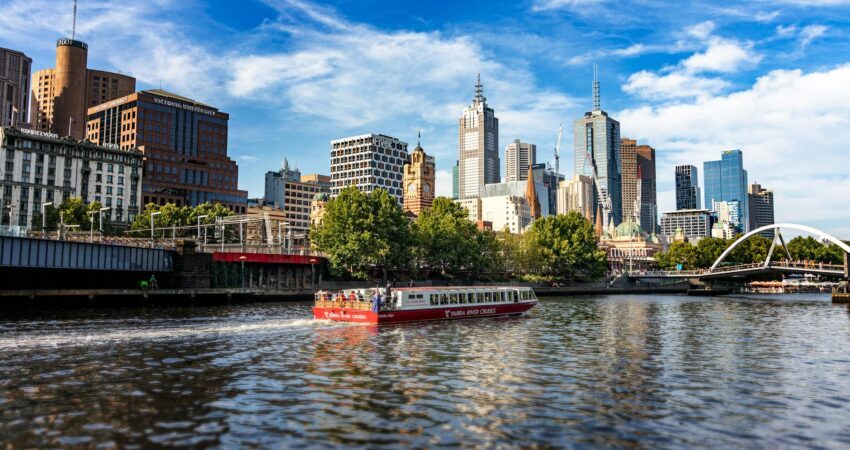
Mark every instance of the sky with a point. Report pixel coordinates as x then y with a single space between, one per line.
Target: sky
691 79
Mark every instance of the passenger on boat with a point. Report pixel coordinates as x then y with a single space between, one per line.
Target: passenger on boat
352 297
376 301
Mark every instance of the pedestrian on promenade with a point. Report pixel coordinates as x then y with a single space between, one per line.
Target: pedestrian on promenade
153 284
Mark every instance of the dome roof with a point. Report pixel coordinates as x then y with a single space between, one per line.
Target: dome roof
321 197
628 228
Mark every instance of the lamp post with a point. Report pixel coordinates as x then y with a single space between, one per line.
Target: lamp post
242 271
199 226
44 218
10 207
152 216
100 216
91 225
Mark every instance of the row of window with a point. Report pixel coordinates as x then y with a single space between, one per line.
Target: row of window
463 298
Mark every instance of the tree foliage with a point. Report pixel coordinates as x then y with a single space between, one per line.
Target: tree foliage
172 215
72 211
810 249
567 247
447 241
360 231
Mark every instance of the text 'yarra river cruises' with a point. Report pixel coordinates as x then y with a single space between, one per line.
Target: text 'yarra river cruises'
418 303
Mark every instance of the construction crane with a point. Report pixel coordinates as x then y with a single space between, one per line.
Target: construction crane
604 199
558 151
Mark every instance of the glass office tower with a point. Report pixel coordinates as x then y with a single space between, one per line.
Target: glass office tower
726 180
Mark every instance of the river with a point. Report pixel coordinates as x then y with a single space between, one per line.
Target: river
619 371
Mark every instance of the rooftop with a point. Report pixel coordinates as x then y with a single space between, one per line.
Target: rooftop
173 96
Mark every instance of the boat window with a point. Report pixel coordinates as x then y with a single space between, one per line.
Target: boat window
444 299
462 297
488 297
453 298
434 299
479 296
525 295
502 296
514 296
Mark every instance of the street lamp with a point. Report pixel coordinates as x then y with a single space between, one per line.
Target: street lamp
242 271
199 225
91 225
100 216
280 235
44 218
11 207
152 215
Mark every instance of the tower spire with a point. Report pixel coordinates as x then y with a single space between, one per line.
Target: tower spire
419 137
597 104
479 91
74 22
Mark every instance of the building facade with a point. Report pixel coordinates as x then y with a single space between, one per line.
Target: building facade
478 146
317 208
62 94
730 212
15 70
455 181
726 180
687 188
550 180
368 162
598 136
518 157
506 212
638 184
761 208
185 147
292 196
419 178
39 167
576 195
694 224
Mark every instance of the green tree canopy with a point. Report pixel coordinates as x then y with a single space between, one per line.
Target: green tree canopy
359 232
567 247
72 211
172 215
445 238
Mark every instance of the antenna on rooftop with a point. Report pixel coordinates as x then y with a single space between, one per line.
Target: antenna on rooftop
597 104
74 23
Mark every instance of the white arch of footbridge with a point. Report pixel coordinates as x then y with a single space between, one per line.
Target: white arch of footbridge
822 236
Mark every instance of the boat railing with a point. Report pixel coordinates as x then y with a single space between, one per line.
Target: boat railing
346 304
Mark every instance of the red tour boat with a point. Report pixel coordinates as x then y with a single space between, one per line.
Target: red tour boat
422 303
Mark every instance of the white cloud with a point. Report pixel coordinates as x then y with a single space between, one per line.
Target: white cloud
792 127
810 33
764 16
701 30
722 55
443 183
649 85
543 5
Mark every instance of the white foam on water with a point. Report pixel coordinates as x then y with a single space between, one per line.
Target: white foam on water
151 331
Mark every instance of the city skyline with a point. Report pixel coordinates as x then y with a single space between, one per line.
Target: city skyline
704 66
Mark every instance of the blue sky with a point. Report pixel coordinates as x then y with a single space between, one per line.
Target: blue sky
771 78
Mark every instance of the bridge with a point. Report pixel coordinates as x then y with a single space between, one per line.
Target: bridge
718 271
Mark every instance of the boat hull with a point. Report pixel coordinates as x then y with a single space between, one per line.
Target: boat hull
418 315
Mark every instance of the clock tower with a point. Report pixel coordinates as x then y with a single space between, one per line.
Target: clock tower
418 181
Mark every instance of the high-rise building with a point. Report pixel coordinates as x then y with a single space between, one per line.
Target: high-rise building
687 188
726 180
61 95
694 224
369 162
598 135
576 195
550 181
518 157
15 69
419 176
455 181
638 177
41 167
184 142
289 192
730 212
324 181
478 146
761 208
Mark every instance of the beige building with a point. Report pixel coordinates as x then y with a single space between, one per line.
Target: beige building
368 162
62 94
519 156
419 177
576 195
478 146
15 68
317 208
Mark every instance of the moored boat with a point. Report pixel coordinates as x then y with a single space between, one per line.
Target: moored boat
415 304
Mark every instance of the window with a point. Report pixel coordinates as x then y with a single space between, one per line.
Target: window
444 299
98 178
109 178
99 166
108 190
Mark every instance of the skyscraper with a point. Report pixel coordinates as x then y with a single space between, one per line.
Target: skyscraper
726 180
687 188
455 187
518 157
598 136
638 177
15 68
61 95
478 146
185 147
761 208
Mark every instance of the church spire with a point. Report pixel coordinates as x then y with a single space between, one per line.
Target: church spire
531 195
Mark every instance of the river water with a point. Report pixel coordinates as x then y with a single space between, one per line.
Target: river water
619 371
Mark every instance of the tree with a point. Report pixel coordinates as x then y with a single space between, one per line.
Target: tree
445 238
810 249
72 211
679 253
708 250
360 231
567 247
172 215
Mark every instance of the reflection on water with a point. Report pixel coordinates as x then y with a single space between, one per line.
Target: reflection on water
661 372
